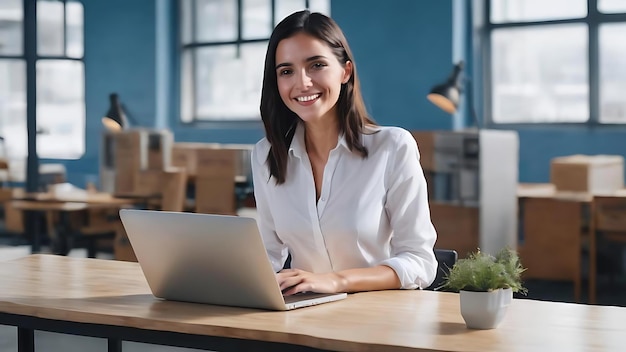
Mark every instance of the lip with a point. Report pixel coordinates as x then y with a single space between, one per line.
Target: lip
309 102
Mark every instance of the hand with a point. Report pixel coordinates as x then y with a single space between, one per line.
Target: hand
292 281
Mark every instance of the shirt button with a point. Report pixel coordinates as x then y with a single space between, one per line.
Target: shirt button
323 199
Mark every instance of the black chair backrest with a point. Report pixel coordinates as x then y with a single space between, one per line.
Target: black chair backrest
446 258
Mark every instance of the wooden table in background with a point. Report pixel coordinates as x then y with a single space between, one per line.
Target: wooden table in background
552 233
62 204
110 299
555 226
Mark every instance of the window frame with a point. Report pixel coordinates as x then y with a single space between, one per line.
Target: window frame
195 121
593 21
65 57
30 56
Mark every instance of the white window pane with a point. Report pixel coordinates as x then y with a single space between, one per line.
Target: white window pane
285 8
216 20
74 19
612 6
11 27
536 10
229 87
257 19
60 109
612 73
322 6
13 108
50 29
540 74
186 21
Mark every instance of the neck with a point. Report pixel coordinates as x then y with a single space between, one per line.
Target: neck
320 139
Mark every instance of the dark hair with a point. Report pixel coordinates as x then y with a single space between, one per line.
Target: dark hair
280 122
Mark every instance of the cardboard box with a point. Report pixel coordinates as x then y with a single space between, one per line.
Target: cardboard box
216 163
185 155
192 157
216 195
124 181
594 174
149 183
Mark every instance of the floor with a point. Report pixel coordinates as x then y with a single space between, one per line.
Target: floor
610 292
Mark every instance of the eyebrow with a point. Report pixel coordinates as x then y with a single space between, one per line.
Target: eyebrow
312 58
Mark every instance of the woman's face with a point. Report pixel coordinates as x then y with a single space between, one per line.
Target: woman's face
309 77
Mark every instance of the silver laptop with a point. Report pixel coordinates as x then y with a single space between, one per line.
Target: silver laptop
214 259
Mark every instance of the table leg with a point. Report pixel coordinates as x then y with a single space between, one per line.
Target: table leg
25 340
31 227
592 254
63 239
115 345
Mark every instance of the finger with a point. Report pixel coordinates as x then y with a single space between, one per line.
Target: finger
289 282
285 274
302 287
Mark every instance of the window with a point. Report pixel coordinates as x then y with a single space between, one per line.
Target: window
223 52
60 82
556 61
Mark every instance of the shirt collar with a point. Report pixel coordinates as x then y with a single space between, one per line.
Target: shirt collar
298 146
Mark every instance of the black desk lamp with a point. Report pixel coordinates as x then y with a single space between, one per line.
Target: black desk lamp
447 95
115 119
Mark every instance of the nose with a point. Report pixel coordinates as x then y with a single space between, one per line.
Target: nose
304 80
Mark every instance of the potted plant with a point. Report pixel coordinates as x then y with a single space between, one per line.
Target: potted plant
486 285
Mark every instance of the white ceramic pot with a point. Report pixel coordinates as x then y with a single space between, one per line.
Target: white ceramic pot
485 310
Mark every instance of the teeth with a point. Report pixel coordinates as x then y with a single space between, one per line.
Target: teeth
309 98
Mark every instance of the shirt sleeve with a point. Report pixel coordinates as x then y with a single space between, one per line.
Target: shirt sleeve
276 249
414 236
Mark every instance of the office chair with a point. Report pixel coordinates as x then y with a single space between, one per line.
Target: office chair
446 258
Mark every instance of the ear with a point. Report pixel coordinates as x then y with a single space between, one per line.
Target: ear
347 72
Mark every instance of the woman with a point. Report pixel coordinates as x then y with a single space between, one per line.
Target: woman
346 198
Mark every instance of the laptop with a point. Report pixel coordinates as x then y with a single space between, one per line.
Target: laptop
213 259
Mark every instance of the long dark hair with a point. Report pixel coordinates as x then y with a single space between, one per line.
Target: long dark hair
280 122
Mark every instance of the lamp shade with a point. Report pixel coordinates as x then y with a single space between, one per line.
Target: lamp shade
447 95
115 119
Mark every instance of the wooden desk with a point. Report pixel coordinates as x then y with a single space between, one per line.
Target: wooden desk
86 197
552 233
111 299
560 224
62 204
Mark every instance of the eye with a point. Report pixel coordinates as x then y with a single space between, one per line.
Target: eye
318 65
285 72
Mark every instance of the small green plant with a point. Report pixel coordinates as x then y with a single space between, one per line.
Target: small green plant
482 272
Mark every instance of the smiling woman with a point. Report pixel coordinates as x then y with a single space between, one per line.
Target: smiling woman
348 197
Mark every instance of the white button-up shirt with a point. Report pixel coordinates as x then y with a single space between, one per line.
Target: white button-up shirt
371 211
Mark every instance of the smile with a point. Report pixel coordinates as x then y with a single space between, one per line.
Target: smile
308 98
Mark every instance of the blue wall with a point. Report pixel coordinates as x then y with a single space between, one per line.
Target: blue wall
539 145
401 48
